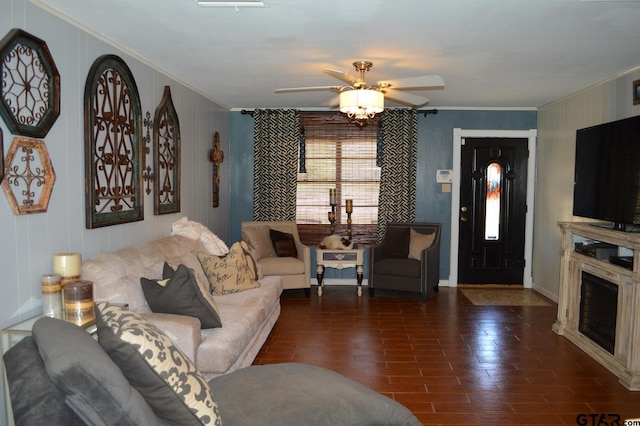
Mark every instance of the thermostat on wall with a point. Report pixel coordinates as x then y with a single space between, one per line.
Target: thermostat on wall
444 176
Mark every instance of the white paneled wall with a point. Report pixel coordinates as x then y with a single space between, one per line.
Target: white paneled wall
27 242
557 124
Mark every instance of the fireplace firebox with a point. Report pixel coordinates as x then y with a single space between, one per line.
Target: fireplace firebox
598 310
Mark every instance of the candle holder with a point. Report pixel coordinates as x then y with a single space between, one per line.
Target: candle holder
333 201
332 218
349 209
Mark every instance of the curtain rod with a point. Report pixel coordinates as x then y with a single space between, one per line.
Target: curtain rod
427 112
267 110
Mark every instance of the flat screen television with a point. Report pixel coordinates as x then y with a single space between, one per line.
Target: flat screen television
607 173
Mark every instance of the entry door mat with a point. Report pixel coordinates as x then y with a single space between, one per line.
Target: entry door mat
503 297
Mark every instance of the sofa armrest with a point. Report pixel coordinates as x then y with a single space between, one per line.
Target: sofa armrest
304 252
183 330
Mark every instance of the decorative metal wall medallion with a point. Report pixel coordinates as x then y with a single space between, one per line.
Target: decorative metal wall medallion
147 173
30 98
112 133
29 176
166 153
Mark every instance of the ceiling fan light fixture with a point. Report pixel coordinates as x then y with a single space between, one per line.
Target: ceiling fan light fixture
361 105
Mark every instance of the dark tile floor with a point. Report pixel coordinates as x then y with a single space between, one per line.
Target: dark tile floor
451 362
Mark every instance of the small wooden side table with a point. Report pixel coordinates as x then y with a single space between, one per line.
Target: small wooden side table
339 259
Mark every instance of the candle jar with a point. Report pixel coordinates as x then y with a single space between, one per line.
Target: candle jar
51 296
78 302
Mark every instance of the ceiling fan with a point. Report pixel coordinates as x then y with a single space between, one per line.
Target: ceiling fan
361 101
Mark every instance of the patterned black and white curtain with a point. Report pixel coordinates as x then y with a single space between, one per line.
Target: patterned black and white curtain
398 140
275 163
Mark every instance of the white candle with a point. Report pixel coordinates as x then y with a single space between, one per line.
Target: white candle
67 264
332 196
51 296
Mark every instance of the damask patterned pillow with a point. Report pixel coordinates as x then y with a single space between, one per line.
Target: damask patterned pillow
167 379
228 274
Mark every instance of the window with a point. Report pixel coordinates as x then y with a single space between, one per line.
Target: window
492 211
342 156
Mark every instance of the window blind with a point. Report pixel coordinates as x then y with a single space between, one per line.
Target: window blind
342 156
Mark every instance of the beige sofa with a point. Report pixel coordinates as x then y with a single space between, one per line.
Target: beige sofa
295 272
247 317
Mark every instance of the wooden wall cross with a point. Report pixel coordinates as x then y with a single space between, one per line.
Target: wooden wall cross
216 156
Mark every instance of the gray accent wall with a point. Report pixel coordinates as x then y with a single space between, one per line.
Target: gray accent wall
435 151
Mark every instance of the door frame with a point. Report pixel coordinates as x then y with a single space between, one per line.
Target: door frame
458 135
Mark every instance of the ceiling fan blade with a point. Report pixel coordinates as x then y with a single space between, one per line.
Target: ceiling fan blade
307 89
421 82
405 98
341 75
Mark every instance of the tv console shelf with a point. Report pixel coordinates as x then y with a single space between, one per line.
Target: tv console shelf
625 360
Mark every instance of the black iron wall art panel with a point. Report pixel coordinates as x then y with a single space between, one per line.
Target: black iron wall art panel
112 133
166 154
30 98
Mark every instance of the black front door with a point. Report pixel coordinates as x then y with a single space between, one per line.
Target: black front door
493 194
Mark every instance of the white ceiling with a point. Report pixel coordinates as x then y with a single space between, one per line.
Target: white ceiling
491 53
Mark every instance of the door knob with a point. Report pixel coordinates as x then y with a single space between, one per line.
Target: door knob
463 219
464 209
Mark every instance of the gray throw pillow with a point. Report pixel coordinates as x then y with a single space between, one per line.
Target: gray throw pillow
94 386
179 293
169 381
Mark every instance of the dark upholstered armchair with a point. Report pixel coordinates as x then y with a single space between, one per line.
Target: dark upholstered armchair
408 259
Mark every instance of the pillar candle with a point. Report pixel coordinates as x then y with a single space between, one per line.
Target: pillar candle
51 296
332 196
78 302
349 206
67 265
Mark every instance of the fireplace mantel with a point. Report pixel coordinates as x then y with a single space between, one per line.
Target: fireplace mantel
625 361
